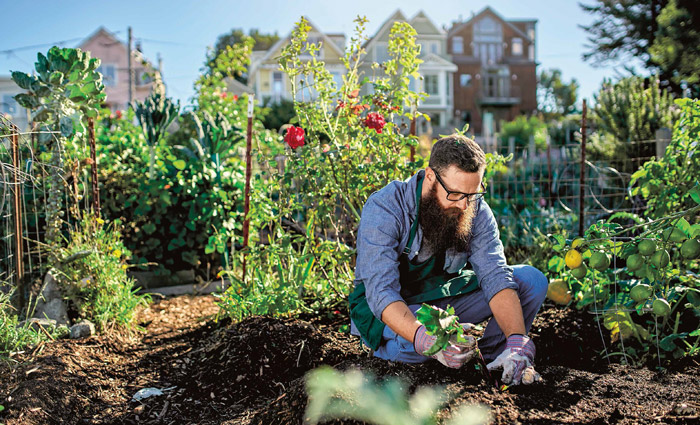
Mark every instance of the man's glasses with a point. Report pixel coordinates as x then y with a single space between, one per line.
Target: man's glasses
458 196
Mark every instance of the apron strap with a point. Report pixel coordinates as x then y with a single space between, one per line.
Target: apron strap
414 226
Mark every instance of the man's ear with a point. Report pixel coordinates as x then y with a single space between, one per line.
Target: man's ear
430 174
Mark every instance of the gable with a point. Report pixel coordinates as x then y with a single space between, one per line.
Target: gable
424 26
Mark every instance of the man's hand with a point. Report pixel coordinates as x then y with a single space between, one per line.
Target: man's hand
517 361
455 355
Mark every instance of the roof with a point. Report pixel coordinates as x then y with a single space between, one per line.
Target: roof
386 25
484 11
103 31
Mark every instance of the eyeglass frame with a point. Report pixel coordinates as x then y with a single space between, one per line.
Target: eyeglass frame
464 195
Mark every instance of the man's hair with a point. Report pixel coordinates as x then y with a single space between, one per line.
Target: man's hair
457 150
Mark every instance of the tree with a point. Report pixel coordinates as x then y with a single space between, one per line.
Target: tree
677 46
653 31
261 41
556 97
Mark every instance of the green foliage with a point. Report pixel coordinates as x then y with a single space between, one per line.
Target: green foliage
15 337
442 324
522 129
556 98
666 183
155 114
676 47
354 395
663 35
66 89
92 271
277 114
258 41
633 108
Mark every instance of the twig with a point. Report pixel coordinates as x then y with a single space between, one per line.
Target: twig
46 332
300 351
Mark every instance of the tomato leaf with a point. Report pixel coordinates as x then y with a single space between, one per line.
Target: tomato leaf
695 194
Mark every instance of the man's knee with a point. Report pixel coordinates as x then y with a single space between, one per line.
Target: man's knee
530 280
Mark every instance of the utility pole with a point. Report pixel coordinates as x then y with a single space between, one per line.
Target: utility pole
130 65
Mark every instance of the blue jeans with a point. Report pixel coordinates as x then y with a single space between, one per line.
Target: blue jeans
473 308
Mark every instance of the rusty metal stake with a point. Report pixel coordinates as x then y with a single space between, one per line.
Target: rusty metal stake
17 206
93 158
248 171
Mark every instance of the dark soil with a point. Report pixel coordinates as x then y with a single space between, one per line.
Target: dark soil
252 372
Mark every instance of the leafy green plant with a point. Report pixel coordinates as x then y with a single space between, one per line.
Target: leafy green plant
522 129
92 271
355 395
155 115
442 324
65 89
665 183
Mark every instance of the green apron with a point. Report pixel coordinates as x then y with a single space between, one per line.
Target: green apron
420 283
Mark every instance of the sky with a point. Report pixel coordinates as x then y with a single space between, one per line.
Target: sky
180 30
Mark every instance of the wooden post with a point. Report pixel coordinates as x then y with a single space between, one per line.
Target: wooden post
549 171
582 180
93 157
248 170
17 206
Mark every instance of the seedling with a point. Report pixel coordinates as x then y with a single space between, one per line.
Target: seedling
443 324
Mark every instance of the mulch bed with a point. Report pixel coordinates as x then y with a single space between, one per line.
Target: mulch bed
252 372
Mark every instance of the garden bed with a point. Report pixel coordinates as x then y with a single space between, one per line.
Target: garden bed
252 372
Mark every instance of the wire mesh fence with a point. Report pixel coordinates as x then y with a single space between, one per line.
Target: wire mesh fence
541 189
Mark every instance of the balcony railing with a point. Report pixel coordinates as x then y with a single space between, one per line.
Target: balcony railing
500 93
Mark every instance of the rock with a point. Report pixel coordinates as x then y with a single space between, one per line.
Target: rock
50 302
36 322
82 330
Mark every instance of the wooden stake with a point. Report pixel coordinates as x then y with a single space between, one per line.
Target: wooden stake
93 157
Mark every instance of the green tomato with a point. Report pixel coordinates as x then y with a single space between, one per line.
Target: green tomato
599 261
660 259
690 249
580 272
640 292
647 247
674 235
635 262
661 307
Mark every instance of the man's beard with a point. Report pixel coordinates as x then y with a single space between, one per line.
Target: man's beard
445 228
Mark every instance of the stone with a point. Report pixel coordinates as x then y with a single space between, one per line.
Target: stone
82 329
50 302
37 322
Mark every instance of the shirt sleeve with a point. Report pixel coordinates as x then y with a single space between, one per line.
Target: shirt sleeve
487 257
377 266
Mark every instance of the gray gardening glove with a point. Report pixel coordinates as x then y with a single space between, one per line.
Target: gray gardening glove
517 361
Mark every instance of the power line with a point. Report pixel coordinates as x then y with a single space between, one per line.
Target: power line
55 43
172 43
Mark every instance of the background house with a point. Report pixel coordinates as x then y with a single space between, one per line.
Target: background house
272 85
436 70
496 76
115 71
9 108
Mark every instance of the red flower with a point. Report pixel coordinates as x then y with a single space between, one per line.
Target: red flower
118 114
376 121
223 95
341 104
294 137
235 98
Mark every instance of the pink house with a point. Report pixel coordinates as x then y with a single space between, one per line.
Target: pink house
115 71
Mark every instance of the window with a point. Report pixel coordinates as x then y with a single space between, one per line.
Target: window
531 52
488 41
277 86
143 77
337 79
8 104
465 80
109 74
381 53
435 47
431 84
516 47
458 45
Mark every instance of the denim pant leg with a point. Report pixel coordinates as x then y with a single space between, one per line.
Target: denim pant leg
473 308
532 290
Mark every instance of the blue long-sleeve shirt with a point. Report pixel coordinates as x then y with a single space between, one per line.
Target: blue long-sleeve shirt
383 234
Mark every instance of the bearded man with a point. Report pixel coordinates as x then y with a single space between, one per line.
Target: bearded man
414 242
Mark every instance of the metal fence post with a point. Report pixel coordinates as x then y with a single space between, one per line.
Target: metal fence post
581 197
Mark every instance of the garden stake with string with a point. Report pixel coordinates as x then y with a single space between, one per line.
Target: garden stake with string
246 206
